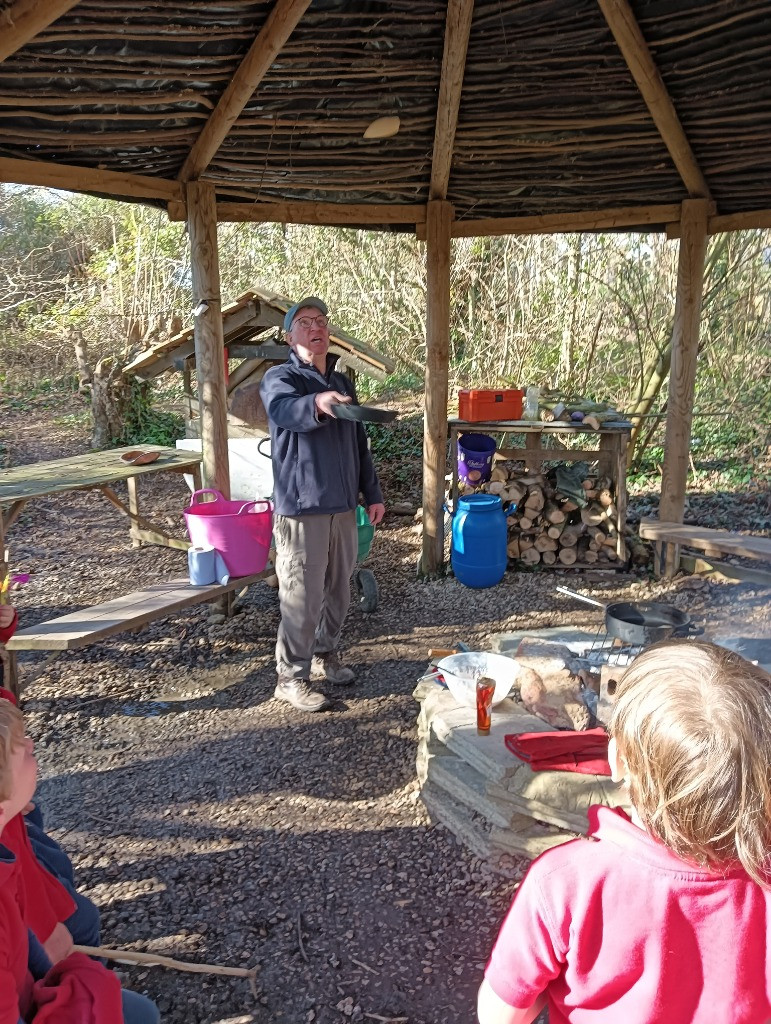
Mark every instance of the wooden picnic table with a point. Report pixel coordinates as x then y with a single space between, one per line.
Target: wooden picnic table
94 471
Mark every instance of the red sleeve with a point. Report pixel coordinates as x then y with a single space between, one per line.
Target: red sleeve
7 631
44 900
526 956
77 989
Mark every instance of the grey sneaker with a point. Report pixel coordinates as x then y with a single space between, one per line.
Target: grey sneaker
300 694
328 666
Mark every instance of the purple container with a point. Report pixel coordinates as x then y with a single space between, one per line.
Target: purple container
475 458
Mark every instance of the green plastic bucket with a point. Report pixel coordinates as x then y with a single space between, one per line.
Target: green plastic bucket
366 533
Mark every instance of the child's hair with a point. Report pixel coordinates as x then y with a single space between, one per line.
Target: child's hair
692 721
11 734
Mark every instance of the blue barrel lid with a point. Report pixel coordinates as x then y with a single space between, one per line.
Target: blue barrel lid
479 503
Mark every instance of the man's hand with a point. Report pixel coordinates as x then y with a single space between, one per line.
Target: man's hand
326 399
59 944
375 513
7 612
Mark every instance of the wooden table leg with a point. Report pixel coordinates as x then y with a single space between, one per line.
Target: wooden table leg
133 501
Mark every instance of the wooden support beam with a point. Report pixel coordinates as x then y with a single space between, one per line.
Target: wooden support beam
456 34
22 21
209 336
88 179
278 27
323 214
634 49
439 220
559 223
682 374
746 220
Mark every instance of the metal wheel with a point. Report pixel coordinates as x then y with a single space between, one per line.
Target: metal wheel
366 586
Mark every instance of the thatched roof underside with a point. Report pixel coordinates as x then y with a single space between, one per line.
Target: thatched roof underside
550 119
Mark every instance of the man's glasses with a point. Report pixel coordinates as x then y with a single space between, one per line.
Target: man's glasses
306 322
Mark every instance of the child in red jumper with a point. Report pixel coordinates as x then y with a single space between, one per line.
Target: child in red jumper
8 620
76 988
665 916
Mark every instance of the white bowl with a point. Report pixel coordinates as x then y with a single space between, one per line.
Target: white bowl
461 672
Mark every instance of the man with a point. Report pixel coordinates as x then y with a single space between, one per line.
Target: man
320 466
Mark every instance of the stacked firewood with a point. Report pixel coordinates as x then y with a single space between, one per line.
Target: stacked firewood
552 528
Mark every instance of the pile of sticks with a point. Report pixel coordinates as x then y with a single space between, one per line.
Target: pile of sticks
552 528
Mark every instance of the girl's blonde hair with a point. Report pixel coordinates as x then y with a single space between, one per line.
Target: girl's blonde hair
11 735
692 721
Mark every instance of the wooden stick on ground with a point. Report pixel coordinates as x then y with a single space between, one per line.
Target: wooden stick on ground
158 960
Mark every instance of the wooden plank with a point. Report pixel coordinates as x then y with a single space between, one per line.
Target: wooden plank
83 472
81 628
438 248
88 179
634 49
559 223
706 539
723 571
278 27
25 19
456 36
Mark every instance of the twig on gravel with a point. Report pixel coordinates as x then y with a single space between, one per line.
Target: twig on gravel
386 1020
157 960
366 967
300 936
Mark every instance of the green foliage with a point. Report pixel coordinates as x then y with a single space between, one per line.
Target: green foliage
145 425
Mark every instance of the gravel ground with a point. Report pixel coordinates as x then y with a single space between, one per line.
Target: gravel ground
211 823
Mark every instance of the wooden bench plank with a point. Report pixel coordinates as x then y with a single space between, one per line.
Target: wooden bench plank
706 539
84 627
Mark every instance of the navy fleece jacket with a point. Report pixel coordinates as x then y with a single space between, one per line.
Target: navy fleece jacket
320 464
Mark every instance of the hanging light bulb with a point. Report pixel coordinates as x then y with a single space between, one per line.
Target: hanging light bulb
383 128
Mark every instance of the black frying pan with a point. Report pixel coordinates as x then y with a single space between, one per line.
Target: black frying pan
641 622
362 413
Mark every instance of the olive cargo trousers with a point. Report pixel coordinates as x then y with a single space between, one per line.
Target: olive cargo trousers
315 556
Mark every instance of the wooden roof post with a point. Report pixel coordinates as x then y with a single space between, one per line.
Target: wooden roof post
682 375
438 223
209 337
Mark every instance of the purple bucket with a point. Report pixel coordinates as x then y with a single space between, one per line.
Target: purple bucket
475 458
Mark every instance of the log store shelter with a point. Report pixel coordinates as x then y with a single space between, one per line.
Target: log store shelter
448 118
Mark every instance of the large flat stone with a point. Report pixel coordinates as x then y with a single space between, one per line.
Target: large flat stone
532 841
468 787
507 643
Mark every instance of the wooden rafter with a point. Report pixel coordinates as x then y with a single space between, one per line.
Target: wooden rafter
456 37
635 52
88 179
278 27
23 20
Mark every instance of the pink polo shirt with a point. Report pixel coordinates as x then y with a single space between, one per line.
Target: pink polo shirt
618 929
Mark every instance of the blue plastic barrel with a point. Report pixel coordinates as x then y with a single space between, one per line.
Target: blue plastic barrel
479 540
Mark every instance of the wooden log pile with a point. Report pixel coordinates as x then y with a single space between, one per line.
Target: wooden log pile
551 528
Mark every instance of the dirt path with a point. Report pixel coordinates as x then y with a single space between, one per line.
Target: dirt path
212 823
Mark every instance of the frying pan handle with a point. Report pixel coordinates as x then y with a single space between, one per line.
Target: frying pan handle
580 597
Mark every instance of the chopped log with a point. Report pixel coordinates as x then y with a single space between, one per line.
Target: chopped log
569 505
604 483
557 529
592 515
553 513
590 557
591 494
605 497
495 487
535 499
567 556
596 534
570 536
532 479
499 474
544 543
530 556
589 483
525 523
512 548
516 489
548 557
525 542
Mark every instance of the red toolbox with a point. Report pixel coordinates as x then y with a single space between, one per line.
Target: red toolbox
486 405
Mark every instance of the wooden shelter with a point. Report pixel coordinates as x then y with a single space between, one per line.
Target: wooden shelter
252 336
514 116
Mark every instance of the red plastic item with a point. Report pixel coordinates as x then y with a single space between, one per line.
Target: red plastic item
484 405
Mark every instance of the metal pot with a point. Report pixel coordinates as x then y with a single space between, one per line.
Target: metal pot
641 622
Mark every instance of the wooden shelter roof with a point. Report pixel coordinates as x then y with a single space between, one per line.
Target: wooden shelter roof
246 324
609 112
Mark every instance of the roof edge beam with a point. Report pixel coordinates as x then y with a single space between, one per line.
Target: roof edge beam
456 36
25 19
323 214
560 223
634 49
88 179
278 27
746 220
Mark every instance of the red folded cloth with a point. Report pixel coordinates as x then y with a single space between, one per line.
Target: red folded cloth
564 751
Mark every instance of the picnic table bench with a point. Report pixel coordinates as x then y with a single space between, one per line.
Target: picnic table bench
89 625
713 542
